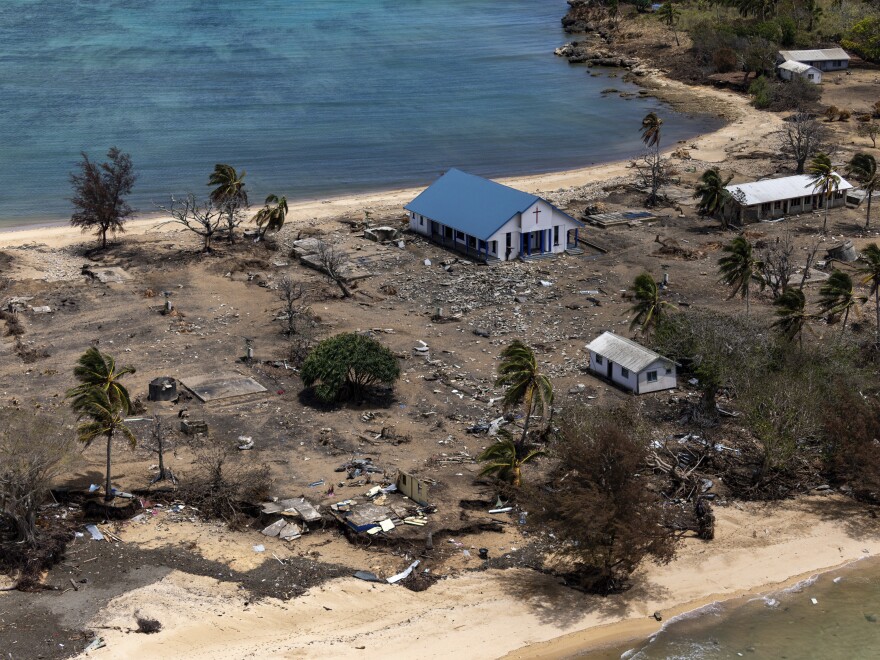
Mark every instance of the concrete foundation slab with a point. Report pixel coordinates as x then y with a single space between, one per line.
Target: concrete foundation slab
212 387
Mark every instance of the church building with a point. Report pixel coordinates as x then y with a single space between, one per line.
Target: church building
489 221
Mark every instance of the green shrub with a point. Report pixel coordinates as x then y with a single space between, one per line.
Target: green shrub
344 366
864 39
761 91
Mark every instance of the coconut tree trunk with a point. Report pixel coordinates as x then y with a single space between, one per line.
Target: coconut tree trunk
868 214
877 306
845 317
825 222
108 495
103 238
522 442
748 296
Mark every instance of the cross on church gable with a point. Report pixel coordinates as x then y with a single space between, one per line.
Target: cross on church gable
537 212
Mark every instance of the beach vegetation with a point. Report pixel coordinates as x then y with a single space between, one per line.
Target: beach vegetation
101 403
670 15
346 366
35 449
504 459
202 218
869 270
791 310
650 132
712 195
801 137
99 192
524 385
649 309
229 195
271 217
595 504
837 297
740 268
863 168
825 181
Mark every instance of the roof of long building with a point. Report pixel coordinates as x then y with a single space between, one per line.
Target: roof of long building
815 55
773 190
471 204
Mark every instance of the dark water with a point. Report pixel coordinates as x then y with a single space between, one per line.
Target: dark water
311 97
844 624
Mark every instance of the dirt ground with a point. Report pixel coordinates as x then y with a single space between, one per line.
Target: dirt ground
556 306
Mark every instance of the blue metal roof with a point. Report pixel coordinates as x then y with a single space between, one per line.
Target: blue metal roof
470 203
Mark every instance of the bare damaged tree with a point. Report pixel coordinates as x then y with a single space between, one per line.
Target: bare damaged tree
334 264
778 265
802 137
290 293
202 218
298 319
99 191
34 450
159 436
655 172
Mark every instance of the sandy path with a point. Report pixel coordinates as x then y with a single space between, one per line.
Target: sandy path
488 614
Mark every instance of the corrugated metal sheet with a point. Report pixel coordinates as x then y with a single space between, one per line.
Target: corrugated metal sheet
774 190
815 55
624 352
470 203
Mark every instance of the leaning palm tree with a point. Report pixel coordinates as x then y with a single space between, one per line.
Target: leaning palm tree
651 130
712 193
101 415
526 385
863 168
271 217
792 313
504 459
670 15
739 268
824 180
229 193
870 272
96 370
837 297
648 310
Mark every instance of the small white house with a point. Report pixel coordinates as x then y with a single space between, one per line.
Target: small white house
824 59
631 365
776 198
791 69
489 221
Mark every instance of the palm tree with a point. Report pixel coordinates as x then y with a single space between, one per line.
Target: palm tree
272 216
525 384
863 167
229 193
102 398
670 15
870 272
824 180
651 130
792 313
837 296
96 370
504 459
740 268
101 416
649 310
712 193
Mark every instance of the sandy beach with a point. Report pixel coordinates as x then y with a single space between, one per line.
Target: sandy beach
521 614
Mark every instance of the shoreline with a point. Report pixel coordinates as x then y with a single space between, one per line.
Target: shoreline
708 147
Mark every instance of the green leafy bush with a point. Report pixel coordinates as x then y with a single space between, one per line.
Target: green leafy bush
864 39
344 366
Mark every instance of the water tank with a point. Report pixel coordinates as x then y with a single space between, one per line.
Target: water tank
163 389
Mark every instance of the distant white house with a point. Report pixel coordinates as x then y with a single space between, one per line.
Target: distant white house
490 221
824 59
631 365
775 198
791 69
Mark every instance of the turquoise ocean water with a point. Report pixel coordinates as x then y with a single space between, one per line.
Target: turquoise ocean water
842 624
311 97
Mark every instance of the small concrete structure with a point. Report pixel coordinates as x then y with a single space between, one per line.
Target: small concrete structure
106 274
382 234
844 251
630 365
413 488
776 198
790 69
211 387
824 59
